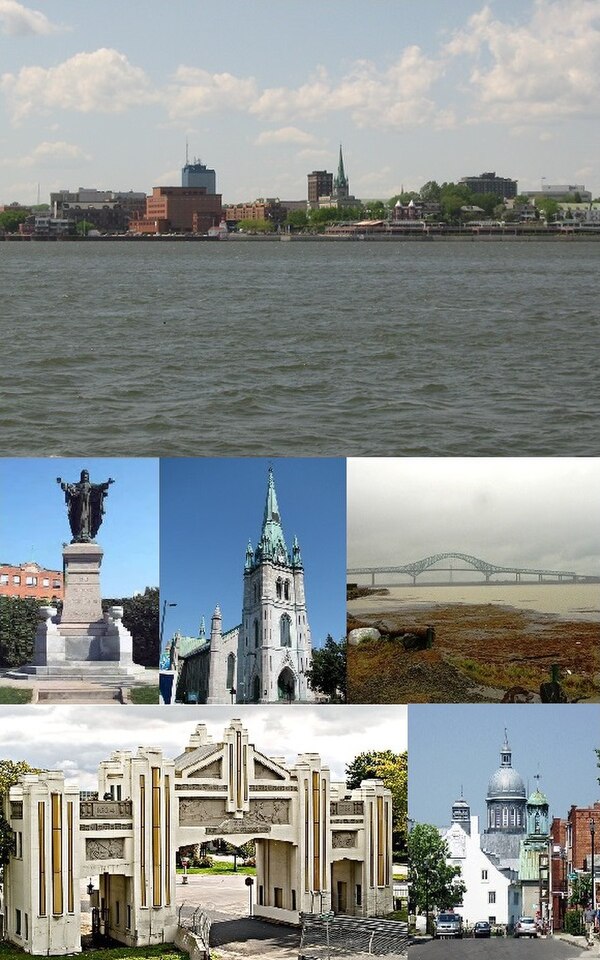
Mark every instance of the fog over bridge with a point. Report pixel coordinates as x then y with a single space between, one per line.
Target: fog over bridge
488 570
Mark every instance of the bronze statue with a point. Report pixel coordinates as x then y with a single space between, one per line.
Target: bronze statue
85 506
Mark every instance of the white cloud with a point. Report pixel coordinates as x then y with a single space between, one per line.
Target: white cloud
103 81
195 91
284 135
546 68
395 97
17 20
56 153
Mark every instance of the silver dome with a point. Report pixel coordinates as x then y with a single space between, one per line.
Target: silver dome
505 783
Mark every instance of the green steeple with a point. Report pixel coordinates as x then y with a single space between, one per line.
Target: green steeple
271 545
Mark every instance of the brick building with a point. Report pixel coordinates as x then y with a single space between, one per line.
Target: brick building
269 209
320 184
179 210
31 581
107 210
558 872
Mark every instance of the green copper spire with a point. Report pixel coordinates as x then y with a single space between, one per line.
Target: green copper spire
272 541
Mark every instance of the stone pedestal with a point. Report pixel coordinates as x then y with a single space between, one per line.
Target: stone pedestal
82 603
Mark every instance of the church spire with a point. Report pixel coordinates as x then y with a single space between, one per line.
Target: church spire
340 183
506 752
272 544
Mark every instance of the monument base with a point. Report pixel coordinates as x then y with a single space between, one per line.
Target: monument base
99 652
83 602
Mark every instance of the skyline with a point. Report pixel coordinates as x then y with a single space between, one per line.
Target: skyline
413 93
527 512
555 741
75 739
210 508
36 524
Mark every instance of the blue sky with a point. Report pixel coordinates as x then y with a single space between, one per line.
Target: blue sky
105 94
455 745
34 524
210 508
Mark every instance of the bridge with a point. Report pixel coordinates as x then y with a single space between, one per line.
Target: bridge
488 570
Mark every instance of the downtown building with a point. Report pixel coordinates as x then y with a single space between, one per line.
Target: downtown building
502 187
264 658
194 207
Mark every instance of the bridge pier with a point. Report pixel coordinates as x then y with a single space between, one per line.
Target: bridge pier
372 579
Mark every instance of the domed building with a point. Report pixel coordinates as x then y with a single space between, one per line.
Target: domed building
506 801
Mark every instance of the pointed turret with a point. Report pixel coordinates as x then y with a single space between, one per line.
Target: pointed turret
249 556
202 630
296 555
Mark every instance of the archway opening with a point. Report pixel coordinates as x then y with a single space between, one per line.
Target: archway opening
286 686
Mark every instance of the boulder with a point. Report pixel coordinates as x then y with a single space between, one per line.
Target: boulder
363 633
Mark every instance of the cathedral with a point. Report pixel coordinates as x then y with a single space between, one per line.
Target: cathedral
264 659
504 867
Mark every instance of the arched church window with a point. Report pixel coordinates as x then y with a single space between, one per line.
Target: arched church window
278 588
255 592
285 636
256 689
286 590
230 671
256 633
504 816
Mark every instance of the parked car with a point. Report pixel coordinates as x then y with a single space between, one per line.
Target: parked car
448 925
482 929
526 927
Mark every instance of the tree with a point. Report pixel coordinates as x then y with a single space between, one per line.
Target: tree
547 206
83 227
256 226
140 616
10 220
392 768
327 674
581 890
375 209
296 219
431 192
433 882
19 617
10 773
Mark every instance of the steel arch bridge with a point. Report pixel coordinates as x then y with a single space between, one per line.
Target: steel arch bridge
482 566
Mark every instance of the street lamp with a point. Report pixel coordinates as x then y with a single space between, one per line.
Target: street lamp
593 836
162 622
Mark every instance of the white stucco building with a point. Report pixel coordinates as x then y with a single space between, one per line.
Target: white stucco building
319 845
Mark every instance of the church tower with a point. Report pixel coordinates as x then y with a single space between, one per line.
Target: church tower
274 647
341 188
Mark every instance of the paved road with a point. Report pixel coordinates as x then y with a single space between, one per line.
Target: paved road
496 948
237 937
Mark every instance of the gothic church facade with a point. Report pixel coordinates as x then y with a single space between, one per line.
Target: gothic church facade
265 658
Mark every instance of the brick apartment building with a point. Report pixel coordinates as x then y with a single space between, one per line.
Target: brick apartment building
179 210
572 853
31 581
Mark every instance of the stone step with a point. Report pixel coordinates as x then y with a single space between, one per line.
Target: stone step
80 695
90 672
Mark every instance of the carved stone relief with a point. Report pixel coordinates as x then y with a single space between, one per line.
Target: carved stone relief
110 849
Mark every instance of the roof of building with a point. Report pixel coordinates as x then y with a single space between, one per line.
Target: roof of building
506 783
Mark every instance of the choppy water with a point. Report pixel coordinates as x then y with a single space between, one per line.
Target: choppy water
290 348
575 601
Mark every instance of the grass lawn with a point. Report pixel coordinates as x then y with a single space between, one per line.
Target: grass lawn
219 868
13 695
143 695
166 951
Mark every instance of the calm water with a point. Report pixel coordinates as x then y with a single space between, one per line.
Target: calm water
289 348
576 601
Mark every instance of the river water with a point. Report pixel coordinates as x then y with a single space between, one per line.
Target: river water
572 601
341 348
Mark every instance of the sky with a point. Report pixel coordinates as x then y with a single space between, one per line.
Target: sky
34 523
541 513
454 746
106 94
210 508
75 739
